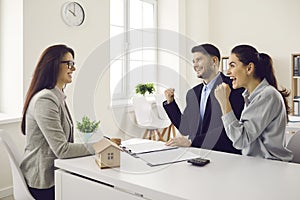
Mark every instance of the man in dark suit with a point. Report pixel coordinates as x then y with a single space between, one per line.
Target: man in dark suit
201 119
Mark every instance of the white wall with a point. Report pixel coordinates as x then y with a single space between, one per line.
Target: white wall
168 16
11 56
190 20
196 22
272 26
43 26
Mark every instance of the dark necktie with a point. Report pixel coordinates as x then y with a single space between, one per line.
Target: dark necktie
203 101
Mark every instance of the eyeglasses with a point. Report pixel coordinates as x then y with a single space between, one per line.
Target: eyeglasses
69 63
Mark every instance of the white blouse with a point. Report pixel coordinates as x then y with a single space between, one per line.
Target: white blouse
260 132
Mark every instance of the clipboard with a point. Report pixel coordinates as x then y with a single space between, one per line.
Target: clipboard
137 146
168 157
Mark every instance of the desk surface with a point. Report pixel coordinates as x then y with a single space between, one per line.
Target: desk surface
228 176
294 124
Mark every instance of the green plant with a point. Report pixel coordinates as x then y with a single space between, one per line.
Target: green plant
87 126
143 88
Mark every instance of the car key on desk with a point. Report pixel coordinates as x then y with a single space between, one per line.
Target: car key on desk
198 161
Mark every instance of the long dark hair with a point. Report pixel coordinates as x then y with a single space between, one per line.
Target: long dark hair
45 74
263 68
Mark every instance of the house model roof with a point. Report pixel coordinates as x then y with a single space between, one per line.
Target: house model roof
104 144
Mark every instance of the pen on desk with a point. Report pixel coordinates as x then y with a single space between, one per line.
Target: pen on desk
126 150
106 137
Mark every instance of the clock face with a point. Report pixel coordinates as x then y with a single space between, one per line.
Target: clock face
73 14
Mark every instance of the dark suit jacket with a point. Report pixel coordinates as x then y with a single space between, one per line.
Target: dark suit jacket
210 134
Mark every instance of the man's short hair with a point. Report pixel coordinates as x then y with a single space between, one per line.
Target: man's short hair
207 49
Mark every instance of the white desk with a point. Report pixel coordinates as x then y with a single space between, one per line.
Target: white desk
291 129
294 125
228 176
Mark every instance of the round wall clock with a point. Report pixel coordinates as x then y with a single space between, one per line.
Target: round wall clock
73 14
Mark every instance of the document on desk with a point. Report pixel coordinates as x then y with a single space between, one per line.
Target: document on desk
168 157
137 146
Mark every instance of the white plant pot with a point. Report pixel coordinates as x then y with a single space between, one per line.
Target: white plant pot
86 136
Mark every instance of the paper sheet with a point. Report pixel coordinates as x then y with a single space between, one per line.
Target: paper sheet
168 157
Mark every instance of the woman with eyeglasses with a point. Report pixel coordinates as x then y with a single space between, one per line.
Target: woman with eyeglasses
47 122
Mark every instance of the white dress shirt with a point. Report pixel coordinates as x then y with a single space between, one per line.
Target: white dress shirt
205 92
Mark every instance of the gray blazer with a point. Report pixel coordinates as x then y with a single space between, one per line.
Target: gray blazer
48 137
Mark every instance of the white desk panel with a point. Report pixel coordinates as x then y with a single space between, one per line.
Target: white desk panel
228 176
70 186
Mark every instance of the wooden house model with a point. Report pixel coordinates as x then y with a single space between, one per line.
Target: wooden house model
107 153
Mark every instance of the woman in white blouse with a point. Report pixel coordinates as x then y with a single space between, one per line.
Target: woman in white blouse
260 131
